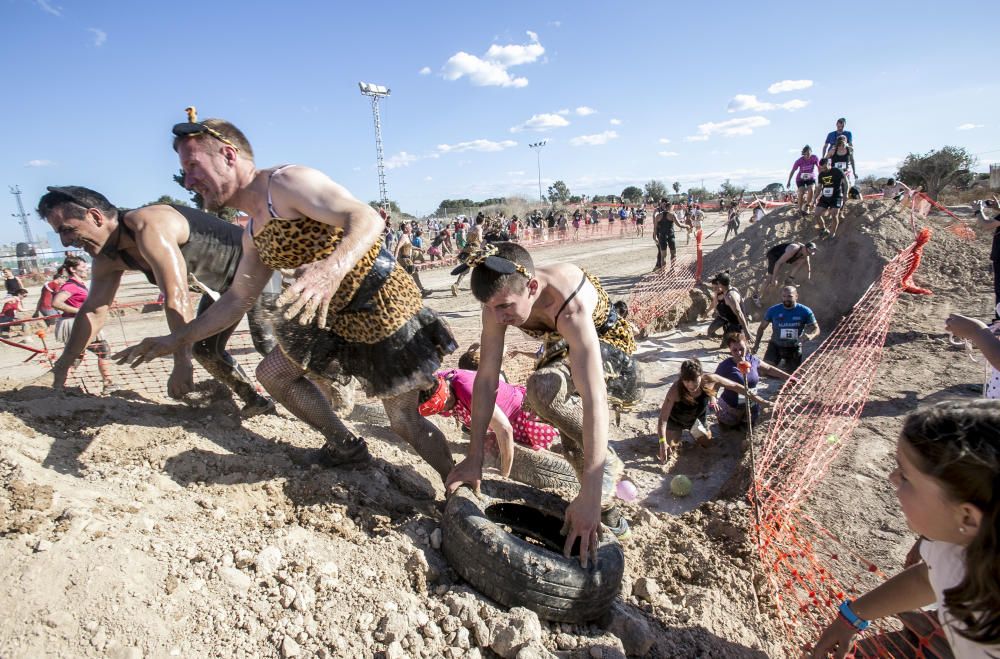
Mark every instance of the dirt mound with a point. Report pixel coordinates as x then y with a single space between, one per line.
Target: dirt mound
871 234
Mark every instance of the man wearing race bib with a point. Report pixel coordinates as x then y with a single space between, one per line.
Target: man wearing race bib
790 322
832 192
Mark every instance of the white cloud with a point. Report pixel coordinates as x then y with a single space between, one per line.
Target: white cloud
39 163
100 36
668 154
491 69
485 146
729 128
49 8
425 71
789 86
615 122
594 140
517 173
428 178
555 24
742 102
584 111
664 140
541 122
969 126
563 112
401 159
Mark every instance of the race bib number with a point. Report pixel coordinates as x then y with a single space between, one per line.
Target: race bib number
806 176
789 334
827 192
842 166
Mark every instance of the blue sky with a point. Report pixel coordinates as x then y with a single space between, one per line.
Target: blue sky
92 89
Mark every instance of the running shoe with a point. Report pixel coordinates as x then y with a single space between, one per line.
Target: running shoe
616 523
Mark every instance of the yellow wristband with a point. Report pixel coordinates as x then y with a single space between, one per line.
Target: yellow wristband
663 440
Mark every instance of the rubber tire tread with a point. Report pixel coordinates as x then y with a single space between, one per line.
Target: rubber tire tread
543 469
515 572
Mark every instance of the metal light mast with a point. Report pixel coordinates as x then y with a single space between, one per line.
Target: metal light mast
537 147
377 92
21 216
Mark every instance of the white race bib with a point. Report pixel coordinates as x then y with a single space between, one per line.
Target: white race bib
806 176
842 166
789 334
827 192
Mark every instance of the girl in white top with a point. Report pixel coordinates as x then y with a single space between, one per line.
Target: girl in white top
948 485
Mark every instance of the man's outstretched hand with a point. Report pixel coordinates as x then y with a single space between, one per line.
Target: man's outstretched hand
147 350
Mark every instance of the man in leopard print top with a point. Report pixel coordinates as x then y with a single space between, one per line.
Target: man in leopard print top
350 312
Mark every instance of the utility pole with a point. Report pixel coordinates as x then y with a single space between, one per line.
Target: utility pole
377 92
537 147
21 216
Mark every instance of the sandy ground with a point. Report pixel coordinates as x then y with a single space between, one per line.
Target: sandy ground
132 526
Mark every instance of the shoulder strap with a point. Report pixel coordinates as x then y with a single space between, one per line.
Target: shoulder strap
570 297
270 206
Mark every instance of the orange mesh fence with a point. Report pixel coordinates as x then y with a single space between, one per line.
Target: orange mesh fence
921 206
660 291
809 570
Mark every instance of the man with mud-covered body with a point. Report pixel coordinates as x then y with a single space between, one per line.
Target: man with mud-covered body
571 313
168 244
350 313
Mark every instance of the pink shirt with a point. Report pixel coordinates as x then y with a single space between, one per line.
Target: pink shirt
77 292
509 397
528 429
807 168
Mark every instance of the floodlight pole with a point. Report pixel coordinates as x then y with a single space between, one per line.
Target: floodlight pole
21 216
377 92
537 147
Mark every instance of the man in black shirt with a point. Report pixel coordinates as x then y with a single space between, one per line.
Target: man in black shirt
832 192
175 247
663 234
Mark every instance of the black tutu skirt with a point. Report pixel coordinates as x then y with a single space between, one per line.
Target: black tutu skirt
405 360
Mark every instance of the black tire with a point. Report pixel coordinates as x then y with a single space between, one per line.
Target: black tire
543 469
506 567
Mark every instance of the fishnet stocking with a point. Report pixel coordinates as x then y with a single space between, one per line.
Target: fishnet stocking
286 382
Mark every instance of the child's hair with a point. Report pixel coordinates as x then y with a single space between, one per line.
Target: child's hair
69 264
469 361
958 443
621 308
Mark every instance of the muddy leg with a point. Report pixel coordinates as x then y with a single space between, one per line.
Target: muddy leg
550 393
420 433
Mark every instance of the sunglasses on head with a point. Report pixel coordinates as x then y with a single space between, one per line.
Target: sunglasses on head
193 127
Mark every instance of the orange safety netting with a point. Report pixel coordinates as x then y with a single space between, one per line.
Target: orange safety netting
809 571
921 206
663 289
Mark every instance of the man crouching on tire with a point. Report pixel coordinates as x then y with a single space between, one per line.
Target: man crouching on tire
570 312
